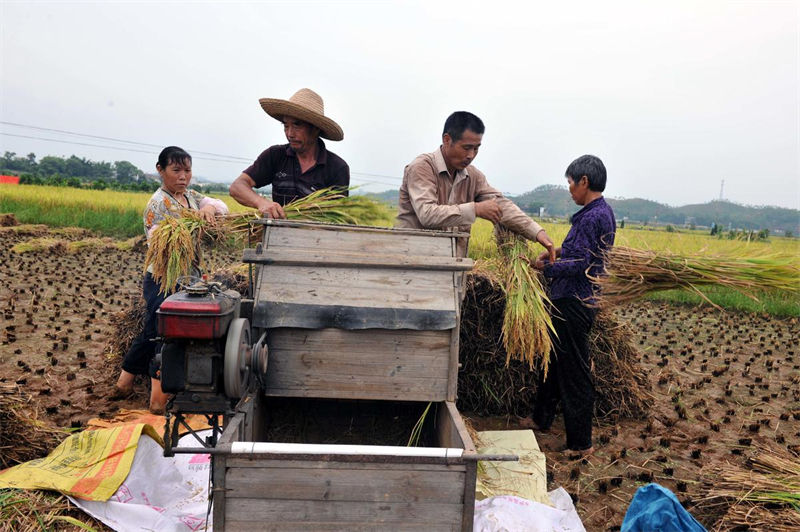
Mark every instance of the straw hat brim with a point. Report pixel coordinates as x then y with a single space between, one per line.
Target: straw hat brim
278 109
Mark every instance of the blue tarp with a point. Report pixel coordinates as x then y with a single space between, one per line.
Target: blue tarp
656 509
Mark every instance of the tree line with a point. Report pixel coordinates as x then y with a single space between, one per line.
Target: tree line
76 172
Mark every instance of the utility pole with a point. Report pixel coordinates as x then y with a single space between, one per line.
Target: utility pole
721 187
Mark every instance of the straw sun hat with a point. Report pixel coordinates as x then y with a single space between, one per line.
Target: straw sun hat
305 105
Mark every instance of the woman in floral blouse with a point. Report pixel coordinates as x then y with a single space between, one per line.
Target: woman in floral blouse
175 168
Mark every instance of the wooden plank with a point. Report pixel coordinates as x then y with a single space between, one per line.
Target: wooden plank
349 526
446 430
257 510
232 431
370 364
259 461
468 515
340 239
379 278
432 390
368 485
352 343
308 361
333 258
308 369
356 287
453 433
452 385
359 228
218 473
458 422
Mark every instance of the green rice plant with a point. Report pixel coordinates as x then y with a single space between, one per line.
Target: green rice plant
38 245
526 323
773 302
416 430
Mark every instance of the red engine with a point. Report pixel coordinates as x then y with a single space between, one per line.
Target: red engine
201 315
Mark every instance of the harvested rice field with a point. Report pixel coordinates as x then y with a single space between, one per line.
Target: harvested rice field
704 391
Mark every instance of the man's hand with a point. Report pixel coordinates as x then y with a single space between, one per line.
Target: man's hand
544 240
489 210
271 209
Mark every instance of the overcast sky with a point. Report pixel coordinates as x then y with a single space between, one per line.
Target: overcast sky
674 96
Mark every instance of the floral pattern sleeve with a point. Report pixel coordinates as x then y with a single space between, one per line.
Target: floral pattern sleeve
159 207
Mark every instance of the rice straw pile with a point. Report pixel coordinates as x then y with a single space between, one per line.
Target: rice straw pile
765 497
22 436
174 247
622 386
37 510
526 320
633 273
490 384
127 325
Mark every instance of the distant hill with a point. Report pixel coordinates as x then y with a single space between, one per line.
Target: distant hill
387 196
557 203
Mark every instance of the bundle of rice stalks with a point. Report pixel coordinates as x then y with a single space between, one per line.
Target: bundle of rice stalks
766 496
91 244
71 233
526 321
622 386
33 511
22 436
53 246
632 273
174 246
24 230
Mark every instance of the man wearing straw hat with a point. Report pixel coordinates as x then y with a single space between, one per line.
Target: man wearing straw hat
300 167
442 189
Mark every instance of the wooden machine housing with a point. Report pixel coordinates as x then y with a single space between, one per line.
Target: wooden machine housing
358 314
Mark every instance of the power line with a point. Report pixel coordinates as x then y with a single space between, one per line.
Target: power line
158 146
213 156
120 148
379 175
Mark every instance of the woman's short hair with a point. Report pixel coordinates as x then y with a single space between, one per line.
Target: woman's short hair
591 167
173 155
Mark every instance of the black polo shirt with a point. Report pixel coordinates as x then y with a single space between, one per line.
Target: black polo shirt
278 166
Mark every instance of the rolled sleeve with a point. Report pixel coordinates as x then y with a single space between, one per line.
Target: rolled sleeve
513 217
219 205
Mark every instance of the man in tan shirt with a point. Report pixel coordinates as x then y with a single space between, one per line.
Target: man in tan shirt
442 189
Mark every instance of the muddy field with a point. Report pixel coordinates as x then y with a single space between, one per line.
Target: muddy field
725 383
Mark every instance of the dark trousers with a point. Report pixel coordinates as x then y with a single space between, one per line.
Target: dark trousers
142 351
569 378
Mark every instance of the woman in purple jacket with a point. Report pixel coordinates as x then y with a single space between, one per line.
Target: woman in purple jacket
572 293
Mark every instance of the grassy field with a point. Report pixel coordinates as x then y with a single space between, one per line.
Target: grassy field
119 214
689 243
106 212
